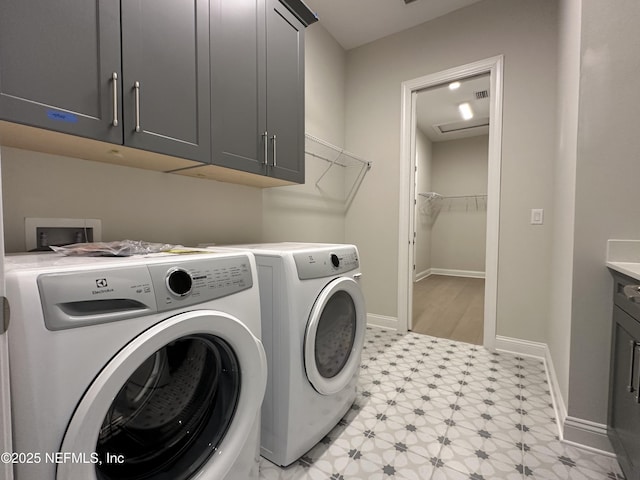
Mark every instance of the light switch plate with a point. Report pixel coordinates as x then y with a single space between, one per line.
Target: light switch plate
537 216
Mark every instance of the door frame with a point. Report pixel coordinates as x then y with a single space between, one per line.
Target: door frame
6 468
409 90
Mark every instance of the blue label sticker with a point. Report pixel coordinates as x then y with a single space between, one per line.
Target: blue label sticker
62 116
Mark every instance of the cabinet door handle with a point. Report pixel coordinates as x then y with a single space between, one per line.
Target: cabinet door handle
637 389
136 88
265 140
275 154
632 364
632 292
5 314
114 84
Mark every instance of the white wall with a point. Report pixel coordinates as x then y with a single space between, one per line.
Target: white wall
424 214
460 167
526 33
308 212
607 194
132 203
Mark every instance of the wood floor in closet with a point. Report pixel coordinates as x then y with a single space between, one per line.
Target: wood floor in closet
449 307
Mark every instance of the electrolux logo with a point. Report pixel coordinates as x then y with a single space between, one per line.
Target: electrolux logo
103 287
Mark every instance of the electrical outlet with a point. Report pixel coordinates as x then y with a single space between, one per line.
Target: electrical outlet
537 216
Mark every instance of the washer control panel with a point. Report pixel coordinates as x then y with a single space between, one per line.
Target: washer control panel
88 297
199 281
326 263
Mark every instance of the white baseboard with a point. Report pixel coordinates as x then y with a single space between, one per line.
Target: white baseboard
571 430
521 347
457 273
587 434
381 321
422 275
559 405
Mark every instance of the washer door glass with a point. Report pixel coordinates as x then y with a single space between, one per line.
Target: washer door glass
172 413
334 336
179 401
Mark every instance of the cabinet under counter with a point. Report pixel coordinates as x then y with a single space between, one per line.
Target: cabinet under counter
623 419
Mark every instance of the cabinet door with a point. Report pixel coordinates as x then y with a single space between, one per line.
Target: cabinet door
624 403
285 93
165 64
57 60
238 117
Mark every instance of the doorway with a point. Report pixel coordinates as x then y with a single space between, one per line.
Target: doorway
485 202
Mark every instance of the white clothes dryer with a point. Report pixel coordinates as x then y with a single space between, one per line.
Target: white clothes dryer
135 368
313 328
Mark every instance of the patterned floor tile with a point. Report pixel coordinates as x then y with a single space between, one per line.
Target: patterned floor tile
434 409
540 466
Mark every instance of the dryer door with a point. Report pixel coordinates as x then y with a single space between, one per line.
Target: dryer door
335 335
184 390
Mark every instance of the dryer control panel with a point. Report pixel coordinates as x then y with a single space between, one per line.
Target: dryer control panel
79 298
326 263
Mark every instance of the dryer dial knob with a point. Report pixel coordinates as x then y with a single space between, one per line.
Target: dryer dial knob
179 282
335 261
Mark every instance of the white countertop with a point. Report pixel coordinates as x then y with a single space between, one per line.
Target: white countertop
623 256
630 269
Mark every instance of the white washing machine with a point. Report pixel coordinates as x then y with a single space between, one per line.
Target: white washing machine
313 328
135 368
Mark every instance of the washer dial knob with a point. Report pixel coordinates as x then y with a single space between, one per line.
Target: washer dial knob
335 261
179 282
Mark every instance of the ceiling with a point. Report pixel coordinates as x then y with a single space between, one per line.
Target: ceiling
437 109
356 22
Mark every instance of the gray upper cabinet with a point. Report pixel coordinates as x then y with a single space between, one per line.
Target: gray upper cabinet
257 88
165 71
237 78
76 67
285 93
57 63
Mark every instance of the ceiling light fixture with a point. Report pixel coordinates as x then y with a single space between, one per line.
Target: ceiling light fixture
465 111
454 85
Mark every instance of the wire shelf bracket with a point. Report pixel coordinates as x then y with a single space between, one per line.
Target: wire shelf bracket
336 156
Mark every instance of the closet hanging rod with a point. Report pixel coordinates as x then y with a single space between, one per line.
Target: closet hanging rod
466 196
432 195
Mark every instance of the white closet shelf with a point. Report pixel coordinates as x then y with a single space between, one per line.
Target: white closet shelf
333 155
434 202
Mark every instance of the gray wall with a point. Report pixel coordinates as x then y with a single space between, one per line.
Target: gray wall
607 189
458 236
132 203
562 219
526 33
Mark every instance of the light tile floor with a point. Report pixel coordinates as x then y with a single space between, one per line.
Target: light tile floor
429 408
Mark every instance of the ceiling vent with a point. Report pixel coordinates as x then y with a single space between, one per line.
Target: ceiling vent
482 94
461 126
